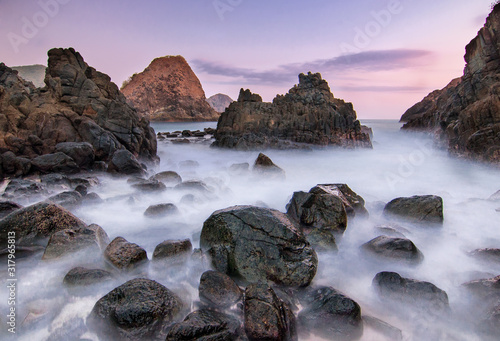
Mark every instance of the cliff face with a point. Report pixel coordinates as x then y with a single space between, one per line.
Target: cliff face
307 114
219 102
78 104
168 90
465 115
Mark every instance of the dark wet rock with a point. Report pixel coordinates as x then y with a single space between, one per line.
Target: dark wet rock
7 207
307 114
125 255
322 240
206 325
83 190
81 276
485 288
124 162
93 240
12 165
330 314
267 317
173 249
55 163
37 222
161 210
219 290
194 185
68 199
81 152
92 198
169 178
394 248
56 180
354 204
265 166
239 168
318 211
25 190
390 332
488 254
420 209
150 186
140 309
259 244
418 294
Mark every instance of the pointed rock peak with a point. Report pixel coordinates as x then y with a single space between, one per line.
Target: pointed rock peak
248 96
311 89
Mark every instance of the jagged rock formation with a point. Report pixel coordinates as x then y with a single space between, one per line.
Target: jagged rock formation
465 115
78 104
307 114
32 73
168 90
219 102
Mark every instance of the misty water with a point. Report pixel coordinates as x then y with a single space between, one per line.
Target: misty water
400 164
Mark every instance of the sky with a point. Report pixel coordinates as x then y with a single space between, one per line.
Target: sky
383 56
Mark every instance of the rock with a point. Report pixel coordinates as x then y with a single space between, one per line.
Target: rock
265 166
168 90
488 254
322 240
239 168
259 244
17 189
56 180
194 185
160 210
92 199
150 186
307 114
82 190
219 102
55 163
392 333
485 288
420 209
206 325
67 199
169 178
37 222
219 290
140 309
7 207
418 294
10 164
266 316
124 255
80 276
81 152
124 162
66 242
331 315
173 249
394 248
464 116
354 204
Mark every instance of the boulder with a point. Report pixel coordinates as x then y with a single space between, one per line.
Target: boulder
10 164
173 249
80 276
160 210
265 166
419 209
169 178
140 309
55 163
36 223
219 290
124 162
330 314
206 325
487 254
259 244
7 207
81 152
401 249
124 255
307 114
485 288
416 294
354 204
68 199
149 186
267 317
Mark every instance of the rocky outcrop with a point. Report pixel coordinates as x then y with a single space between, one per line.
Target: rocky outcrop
307 114
465 115
78 104
168 90
219 102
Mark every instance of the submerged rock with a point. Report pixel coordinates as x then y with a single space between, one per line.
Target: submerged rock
219 290
265 166
169 178
68 199
420 209
394 248
161 210
81 276
488 254
124 255
259 244
140 309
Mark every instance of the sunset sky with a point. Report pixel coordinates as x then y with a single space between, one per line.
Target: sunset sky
384 56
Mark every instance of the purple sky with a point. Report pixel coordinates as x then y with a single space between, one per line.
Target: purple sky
384 56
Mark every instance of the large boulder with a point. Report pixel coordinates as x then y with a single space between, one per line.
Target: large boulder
354 204
81 152
125 255
140 309
307 114
394 248
265 166
35 223
267 317
124 162
218 290
420 209
259 244
55 163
